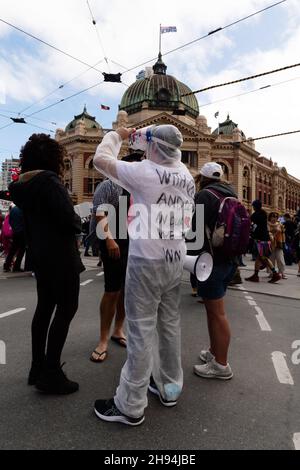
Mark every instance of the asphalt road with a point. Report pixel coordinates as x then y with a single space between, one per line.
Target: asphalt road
258 409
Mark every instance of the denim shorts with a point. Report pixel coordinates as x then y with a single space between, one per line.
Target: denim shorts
215 287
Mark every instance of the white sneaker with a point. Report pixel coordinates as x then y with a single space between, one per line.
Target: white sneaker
206 356
212 370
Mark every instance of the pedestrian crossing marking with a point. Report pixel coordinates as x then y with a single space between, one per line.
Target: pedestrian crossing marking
281 368
12 312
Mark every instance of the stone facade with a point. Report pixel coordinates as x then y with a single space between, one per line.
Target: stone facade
253 176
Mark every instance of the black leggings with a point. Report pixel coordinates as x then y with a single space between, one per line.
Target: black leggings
61 294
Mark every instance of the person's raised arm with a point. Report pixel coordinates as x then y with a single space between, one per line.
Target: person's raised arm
106 157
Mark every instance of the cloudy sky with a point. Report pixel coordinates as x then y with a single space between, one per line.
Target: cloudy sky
127 35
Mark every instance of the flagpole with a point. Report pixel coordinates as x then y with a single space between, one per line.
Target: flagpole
160 38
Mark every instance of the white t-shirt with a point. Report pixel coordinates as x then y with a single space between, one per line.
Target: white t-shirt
163 201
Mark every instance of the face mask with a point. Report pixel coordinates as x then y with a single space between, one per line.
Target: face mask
140 139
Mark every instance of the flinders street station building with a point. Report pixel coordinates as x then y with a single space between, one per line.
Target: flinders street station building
157 98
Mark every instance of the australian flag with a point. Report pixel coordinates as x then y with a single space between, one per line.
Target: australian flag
168 29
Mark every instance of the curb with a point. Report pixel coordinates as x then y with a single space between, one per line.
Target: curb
264 293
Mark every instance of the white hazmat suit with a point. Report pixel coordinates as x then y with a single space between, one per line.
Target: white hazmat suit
155 265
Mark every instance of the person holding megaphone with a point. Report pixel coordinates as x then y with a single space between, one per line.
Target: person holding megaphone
217 196
162 189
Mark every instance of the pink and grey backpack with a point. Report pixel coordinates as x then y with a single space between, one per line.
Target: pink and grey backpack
232 229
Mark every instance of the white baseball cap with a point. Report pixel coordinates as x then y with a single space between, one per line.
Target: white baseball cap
212 170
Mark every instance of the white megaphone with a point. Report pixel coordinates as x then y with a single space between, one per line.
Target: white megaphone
201 266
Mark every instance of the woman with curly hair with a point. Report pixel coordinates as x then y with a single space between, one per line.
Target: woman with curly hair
51 226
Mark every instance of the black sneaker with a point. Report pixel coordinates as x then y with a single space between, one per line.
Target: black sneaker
153 389
55 382
35 372
107 411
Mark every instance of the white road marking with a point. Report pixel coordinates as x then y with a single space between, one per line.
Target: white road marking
83 284
252 303
264 325
12 312
246 293
241 288
100 274
281 368
248 297
296 440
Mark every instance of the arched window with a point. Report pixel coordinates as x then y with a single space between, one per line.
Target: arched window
67 164
246 184
265 198
190 158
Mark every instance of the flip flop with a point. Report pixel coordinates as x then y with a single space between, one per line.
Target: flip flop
104 353
120 341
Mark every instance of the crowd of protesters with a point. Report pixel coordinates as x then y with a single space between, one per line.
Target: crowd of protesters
42 223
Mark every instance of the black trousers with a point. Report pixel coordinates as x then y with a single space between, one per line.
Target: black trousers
57 295
17 248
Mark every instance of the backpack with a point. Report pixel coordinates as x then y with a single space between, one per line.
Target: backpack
232 229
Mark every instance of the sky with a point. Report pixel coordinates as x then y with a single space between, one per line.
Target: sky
126 35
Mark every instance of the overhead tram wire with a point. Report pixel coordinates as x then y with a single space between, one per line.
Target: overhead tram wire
265 87
119 65
49 45
7 125
26 115
61 87
209 34
232 82
98 35
266 137
66 99
217 30
150 60
143 63
186 94
26 123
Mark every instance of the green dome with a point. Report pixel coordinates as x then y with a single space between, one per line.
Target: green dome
89 121
227 127
160 91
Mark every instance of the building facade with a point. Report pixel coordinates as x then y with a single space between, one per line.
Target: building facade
6 173
158 98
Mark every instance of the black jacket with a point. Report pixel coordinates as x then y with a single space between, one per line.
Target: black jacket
211 208
260 231
50 222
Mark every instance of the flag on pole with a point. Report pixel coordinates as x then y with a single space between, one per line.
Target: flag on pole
105 108
168 29
217 114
